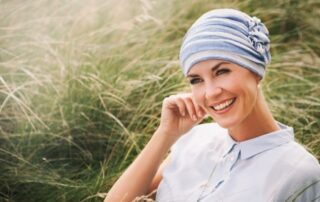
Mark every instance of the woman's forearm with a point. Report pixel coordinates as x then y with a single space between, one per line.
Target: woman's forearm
178 115
136 180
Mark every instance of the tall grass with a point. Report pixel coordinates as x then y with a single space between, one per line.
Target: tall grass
81 85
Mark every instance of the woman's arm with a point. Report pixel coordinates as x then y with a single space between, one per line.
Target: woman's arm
136 180
179 114
158 177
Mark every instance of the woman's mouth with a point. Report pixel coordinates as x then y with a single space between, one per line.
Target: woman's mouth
223 106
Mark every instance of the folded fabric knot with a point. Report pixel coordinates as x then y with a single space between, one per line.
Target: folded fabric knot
258 36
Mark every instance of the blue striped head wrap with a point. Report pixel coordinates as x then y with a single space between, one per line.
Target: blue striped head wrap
230 35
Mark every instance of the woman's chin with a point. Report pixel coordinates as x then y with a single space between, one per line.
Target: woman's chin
225 123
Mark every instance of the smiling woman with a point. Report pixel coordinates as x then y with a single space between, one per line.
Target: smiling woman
246 155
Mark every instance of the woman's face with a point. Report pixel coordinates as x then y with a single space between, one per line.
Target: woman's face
226 91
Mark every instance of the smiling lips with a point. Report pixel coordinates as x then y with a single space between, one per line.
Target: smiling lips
224 105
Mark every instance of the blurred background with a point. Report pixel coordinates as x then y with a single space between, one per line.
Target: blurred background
82 81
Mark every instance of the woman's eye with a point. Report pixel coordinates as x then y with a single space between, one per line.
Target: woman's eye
222 71
195 81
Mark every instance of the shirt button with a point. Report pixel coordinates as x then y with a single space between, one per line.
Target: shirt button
204 184
231 158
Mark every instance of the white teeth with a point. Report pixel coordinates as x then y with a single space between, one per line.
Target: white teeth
223 105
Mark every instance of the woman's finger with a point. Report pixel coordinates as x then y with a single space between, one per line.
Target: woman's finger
181 105
197 109
200 111
190 107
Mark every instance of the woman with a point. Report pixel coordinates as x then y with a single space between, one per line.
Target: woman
246 155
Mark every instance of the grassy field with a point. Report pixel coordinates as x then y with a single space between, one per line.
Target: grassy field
82 81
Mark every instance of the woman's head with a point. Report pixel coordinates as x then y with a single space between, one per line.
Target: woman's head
224 55
229 35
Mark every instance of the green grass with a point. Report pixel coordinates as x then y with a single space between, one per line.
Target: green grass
81 85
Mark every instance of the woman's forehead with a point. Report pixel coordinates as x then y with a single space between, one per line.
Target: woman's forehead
209 65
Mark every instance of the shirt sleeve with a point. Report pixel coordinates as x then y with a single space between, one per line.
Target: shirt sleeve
303 185
182 142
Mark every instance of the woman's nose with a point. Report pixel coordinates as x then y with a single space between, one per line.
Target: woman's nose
212 91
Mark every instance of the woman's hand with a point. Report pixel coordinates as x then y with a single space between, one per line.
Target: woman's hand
179 114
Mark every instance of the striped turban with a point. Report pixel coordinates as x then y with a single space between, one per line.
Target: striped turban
229 35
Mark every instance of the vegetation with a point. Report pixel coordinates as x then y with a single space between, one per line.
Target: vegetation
81 85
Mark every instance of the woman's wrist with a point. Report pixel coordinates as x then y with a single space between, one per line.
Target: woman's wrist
165 136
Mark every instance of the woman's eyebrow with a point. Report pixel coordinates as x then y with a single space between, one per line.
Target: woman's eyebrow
214 68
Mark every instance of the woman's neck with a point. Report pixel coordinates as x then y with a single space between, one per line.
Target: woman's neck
259 122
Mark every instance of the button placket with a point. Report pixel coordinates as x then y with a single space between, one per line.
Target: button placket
231 160
234 155
223 170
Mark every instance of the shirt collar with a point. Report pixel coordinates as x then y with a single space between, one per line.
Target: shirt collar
262 143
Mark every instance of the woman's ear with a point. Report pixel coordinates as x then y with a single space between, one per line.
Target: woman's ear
258 79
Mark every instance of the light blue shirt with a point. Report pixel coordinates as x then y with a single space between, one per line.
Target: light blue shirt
207 165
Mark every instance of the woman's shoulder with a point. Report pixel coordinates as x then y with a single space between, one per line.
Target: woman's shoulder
308 168
299 174
201 136
298 157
